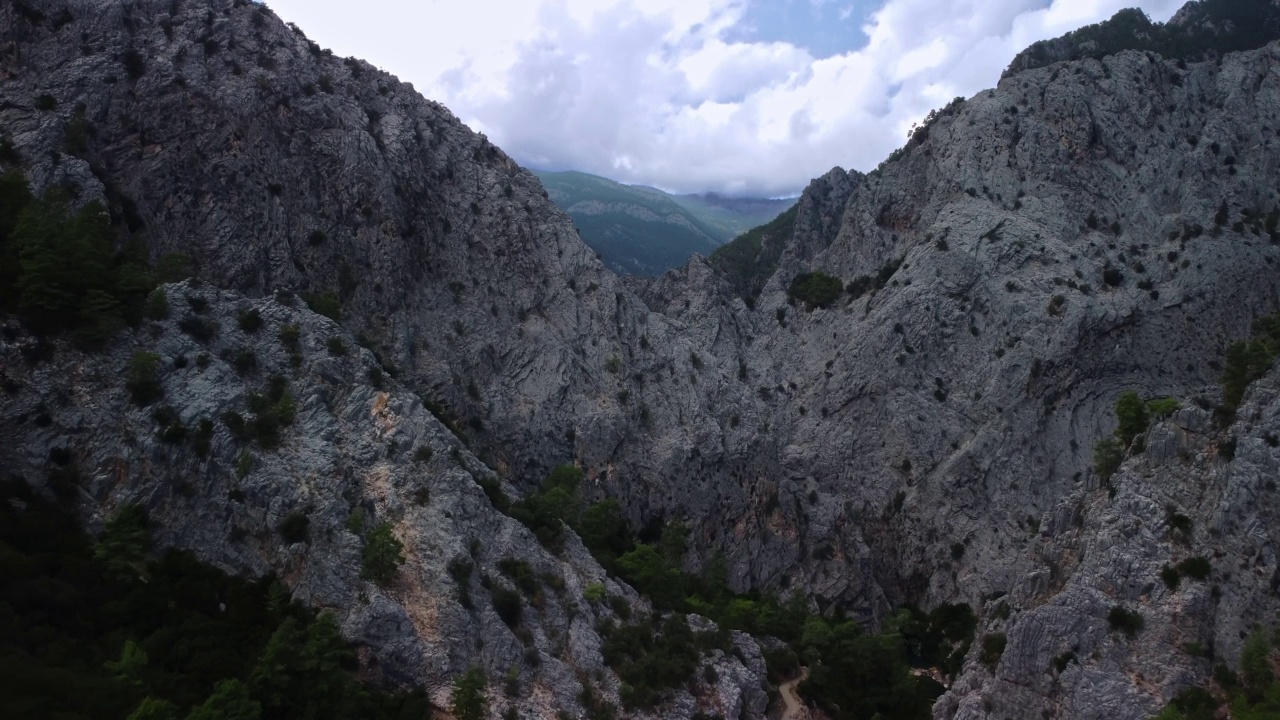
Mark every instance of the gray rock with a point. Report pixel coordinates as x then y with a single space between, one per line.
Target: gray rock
843 452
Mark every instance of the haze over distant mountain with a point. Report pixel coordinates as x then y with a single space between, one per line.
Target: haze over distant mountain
641 230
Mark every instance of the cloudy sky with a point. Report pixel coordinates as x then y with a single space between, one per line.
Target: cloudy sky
745 97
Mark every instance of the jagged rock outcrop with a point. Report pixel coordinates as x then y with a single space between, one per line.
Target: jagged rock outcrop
363 450
1082 229
1195 492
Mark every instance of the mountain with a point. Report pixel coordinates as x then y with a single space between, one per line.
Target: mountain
1202 29
733 216
1004 408
644 231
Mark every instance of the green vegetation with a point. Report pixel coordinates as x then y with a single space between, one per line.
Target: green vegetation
815 290
546 512
835 650
142 378
654 655
1253 695
60 270
1108 454
294 528
752 257
1121 619
1133 418
326 304
863 284
1196 568
468 700
106 630
1247 361
273 410
1212 28
250 321
992 649
644 231
382 555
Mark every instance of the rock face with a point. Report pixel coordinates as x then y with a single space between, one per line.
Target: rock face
1083 229
362 451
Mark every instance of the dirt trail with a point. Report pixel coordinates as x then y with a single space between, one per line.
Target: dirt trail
792 707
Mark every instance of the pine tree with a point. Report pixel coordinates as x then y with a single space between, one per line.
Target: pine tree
382 555
468 701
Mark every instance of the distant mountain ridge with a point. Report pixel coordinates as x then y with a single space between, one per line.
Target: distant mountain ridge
1198 31
640 230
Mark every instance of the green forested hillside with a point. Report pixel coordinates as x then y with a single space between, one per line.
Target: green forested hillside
644 231
1201 29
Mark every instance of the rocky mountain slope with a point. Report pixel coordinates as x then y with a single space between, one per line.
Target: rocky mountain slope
360 451
925 436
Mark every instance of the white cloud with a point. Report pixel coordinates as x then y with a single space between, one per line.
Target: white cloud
657 92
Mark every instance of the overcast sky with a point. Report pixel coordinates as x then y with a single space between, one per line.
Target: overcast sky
745 97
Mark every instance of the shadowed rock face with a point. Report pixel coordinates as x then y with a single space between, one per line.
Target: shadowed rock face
1081 230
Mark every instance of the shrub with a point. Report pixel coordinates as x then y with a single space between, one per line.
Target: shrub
1112 277
520 574
1163 407
1196 568
157 305
1179 524
200 329
468 700
992 649
1108 454
493 490
1131 414
594 593
45 103
336 347
1171 577
506 602
422 454
1248 360
289 337
174 267
244 463
142 378
326 304
1129 622
382 555
244 361
250 321
815 290
294 527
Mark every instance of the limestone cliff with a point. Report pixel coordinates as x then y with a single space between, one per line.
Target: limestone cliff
1084 228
